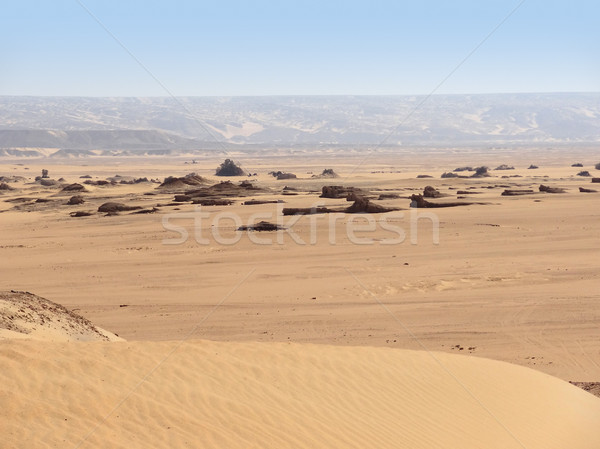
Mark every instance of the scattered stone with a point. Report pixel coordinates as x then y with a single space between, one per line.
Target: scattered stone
327 173
49 182
595 180
417 201
516 192
481 172
577 164
338 191
145 211
363 205
75 187
461 169
583 190
388 196
584 173
424 176
75 200
4 186
307 210
532 167
80 213
212 202
257 202
261 227
504 167
111 207
432 192
179 183
548 189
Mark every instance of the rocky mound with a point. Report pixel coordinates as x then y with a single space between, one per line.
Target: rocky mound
25 315
4 186
327 173
178 183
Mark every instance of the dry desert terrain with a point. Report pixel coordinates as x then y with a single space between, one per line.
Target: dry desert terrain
420 327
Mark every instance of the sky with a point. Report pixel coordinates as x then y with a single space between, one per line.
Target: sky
230 48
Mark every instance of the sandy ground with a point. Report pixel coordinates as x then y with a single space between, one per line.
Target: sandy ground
515 280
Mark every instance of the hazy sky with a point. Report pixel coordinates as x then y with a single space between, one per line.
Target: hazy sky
322 47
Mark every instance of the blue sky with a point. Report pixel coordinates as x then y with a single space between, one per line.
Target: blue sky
297 47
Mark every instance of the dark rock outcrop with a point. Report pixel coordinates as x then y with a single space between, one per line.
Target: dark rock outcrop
229 168
481 172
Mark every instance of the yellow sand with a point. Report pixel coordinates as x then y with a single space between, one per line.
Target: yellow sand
275 395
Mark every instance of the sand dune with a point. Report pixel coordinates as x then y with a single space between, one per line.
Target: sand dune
278 395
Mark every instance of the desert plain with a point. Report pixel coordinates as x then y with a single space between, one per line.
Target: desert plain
418 327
